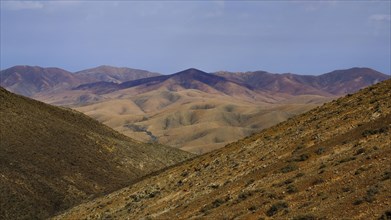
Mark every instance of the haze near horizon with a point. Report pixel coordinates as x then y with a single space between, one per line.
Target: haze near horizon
286 36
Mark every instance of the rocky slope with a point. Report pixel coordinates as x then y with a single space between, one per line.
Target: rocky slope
329 163
53 158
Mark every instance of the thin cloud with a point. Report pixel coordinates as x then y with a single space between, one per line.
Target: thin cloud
380 17
21 5
37 5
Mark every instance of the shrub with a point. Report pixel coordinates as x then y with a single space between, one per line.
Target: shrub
359 170
347 159
216 203
386 215
275 208
367 133
251 181
291 189
302 157
371 192
358 202
318 181
244 195
288 168
319 151
253 208
386 176
360 151
288 181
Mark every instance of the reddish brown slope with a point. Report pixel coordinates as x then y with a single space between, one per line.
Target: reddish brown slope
29 80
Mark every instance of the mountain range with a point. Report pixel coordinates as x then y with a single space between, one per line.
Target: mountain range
329 163
191 110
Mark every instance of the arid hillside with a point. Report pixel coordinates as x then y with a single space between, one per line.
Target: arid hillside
190 119
199 112
53 158
192 110
329 163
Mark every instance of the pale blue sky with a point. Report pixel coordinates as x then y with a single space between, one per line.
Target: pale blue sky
305 37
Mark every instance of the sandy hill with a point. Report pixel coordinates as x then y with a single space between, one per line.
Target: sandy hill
329 163
53 158
190 119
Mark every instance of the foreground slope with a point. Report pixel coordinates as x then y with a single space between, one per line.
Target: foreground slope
329 163
53 158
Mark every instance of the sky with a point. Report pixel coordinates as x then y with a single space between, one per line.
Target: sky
303 37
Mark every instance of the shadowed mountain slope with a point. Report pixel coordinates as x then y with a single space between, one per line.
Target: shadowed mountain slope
53 158
329 163
187 79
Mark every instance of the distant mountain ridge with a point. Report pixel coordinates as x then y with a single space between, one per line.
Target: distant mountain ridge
337 82
30 80
106 73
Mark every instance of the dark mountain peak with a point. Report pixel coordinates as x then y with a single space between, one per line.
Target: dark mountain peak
189 72
186 78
